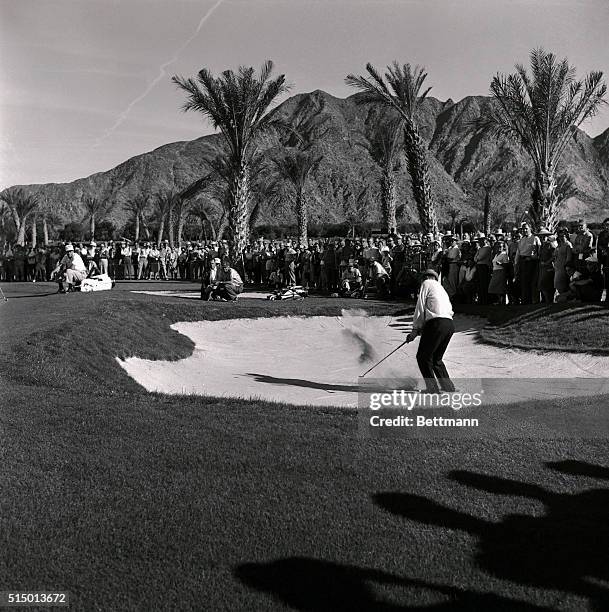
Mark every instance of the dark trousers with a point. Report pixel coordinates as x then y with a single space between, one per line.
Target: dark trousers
483 272
529 272
432 346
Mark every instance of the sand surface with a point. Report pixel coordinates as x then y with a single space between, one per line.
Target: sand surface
317 361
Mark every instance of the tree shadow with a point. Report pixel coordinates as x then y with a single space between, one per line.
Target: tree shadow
579 468
564 549
317 585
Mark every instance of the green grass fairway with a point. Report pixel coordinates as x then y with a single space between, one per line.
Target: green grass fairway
138 501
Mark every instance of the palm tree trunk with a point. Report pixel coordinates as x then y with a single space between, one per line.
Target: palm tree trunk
388 204
254 215
416 156
161 230
137 227
34 232
222 225
238 215
92 227
45 231
20 223
544 209
302 217
171 221
487 212
181 221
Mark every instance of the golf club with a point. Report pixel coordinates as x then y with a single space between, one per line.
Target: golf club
3 296
386 357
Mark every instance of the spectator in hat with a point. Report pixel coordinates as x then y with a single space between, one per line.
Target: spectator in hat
70 270
527 265
351 279
209 279
378 274
602 254
582 245
546 265
484 262
228 284
589 286
117 259
563 257
513 282
452 256
127 262
103 258
498 284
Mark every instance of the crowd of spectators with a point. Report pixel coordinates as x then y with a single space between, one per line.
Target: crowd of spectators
510 268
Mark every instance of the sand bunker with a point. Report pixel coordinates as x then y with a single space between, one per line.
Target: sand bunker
317 360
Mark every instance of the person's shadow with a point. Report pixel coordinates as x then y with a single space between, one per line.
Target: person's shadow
323 586
565 549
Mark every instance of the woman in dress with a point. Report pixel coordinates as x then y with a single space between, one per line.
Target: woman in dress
546 266
563 256
498 284
452 257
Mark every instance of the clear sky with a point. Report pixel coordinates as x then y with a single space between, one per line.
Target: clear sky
85 84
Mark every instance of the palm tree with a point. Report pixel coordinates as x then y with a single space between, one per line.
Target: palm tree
355 202
294 167
384 148
22 206
163 203
137 206
236 103
400 89
541 113
453 213
267 192
95 209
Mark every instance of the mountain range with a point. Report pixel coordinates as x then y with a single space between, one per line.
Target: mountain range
462 163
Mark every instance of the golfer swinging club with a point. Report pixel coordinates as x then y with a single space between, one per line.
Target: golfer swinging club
433 320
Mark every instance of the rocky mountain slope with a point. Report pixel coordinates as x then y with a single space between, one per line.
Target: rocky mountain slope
460 162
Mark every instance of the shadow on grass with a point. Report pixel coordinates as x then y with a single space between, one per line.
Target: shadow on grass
320 586
36 295
564 549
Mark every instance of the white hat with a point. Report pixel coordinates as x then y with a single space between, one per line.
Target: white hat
544 231
69 247
216 260
480 235
92 243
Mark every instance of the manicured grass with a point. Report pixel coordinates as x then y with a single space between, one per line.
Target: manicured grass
138 501
560 327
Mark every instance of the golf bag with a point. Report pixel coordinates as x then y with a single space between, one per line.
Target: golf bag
100 282
295 292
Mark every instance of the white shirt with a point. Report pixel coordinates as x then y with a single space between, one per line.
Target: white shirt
433 303
377 270
74 263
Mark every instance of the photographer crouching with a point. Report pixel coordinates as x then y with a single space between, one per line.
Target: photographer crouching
226 285
70 270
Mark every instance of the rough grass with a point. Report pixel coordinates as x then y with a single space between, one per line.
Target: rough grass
139 501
